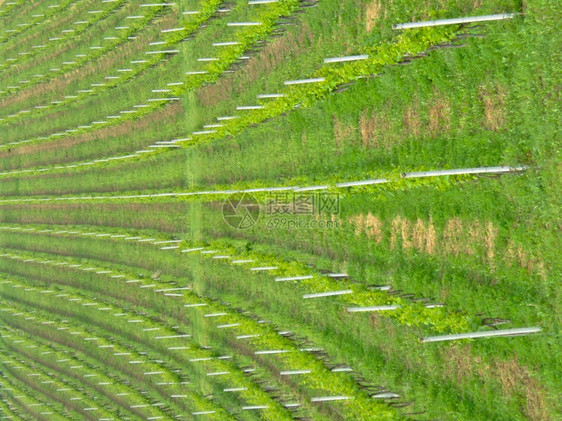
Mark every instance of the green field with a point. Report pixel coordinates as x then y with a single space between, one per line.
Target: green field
280 210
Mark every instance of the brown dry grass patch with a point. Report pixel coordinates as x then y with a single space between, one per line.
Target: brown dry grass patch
375 129
459 363
439 115
411 119
515 255
372 14
453 237
495 111
457 237
369 224
342 131
397 231
424 237
517 379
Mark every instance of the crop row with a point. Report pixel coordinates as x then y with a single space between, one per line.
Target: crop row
269 297
157 371
355 296
48 11
206 12
246 38
121 36
9 7
325 80
262 338
59 391
75 62
84 373
109 352
393 181
269 78
25 403
66 34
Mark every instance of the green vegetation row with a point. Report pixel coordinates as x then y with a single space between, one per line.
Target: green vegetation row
144 63
302 96
34 405
7 9
75 63
247 38
42 13
35 324
261 282
382 30
409 313
321 378
60 41
318 325
87 374
164 375
70 400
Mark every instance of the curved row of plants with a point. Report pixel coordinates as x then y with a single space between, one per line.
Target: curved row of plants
46 12
114 389
36 405
268 339
320 321
409 313
269 18
166 360
306 94
208 11
62 40
72 400
138 26
247 37
179 136
7 9
388 181
39 323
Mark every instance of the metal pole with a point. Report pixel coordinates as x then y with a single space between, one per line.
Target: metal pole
504 332
454 21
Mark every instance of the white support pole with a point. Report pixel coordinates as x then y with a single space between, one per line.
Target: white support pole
373 308
303 81
329 398
328 294
454 21
294 278
504 332
463 171
346 58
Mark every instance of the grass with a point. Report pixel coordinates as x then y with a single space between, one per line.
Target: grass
486 247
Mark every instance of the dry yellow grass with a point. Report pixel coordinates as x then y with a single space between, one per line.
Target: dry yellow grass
439 114
372 14
376 129
342 131
495 112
